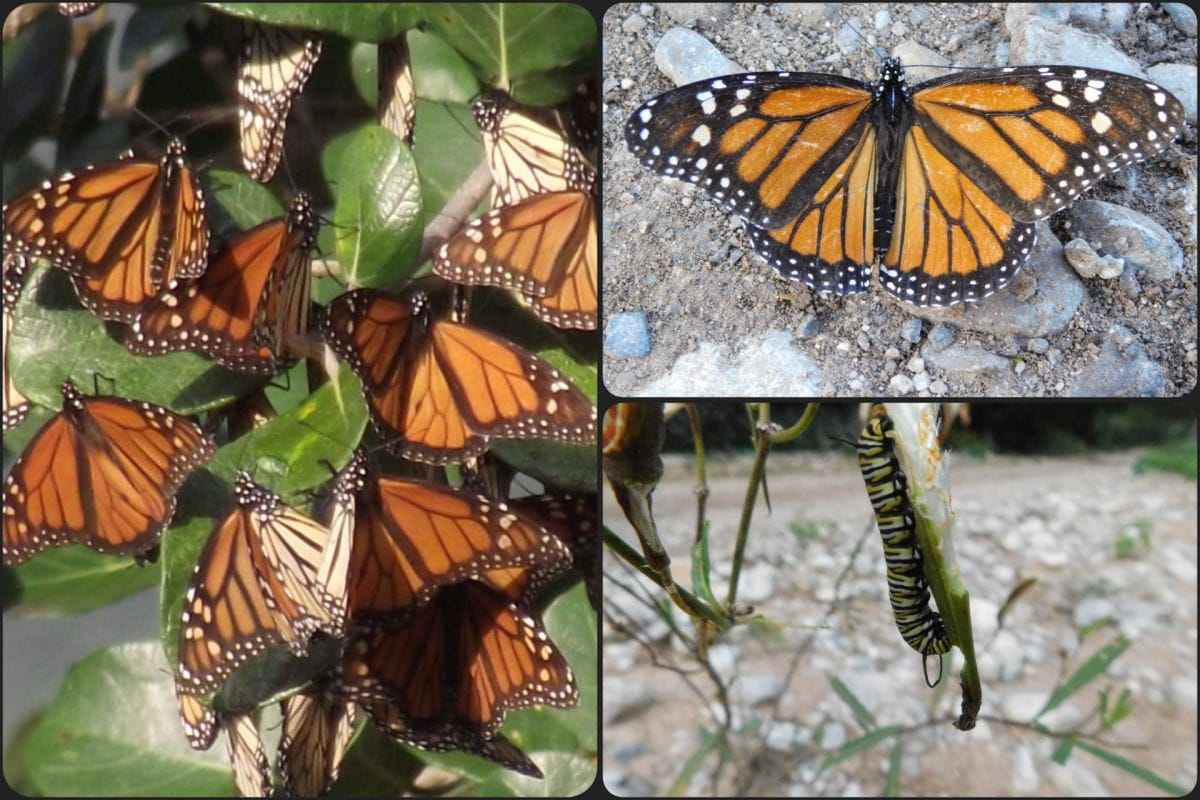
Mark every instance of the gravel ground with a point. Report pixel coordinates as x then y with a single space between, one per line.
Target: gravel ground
720 321
1053 519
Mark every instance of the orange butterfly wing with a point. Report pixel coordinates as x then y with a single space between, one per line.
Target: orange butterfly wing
102 472
410 538
397 92
573 519
830 246
444 678
123 230
244 747
951 241
544 246
941 180
444 389
254 297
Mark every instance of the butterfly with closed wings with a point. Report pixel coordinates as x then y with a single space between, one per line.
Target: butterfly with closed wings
276 63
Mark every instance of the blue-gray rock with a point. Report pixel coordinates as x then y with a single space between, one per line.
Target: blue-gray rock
1084 259
808 326
965 364
626 334
706 15
1037 40
685 57
941 336
1183 16
911 330
634 23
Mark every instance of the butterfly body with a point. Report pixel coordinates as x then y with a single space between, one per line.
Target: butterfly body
940 182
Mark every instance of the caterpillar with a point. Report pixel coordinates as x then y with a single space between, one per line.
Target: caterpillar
920 626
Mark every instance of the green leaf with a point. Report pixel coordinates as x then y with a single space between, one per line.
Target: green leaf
54 340
116 708
35 64
152 26
236 203
377 213
288 455
440 74
860 745
371 22
518 46
447 146
891 786
1137 771
709 742
701 569
862 716
81 110
73 580
1088 671
1014 595
1062 753
568 467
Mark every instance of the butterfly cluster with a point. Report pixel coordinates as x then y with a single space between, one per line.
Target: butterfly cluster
413 588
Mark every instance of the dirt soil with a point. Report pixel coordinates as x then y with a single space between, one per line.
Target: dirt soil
673 253
1074 504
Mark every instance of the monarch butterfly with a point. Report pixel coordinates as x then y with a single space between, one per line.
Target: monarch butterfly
317 727
408 538
275 65
397 91
920 626
571 517
243 310
443 390
123 229
102 472
527 150
942 180
253 587
243 743
544 246
16 407
444 677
